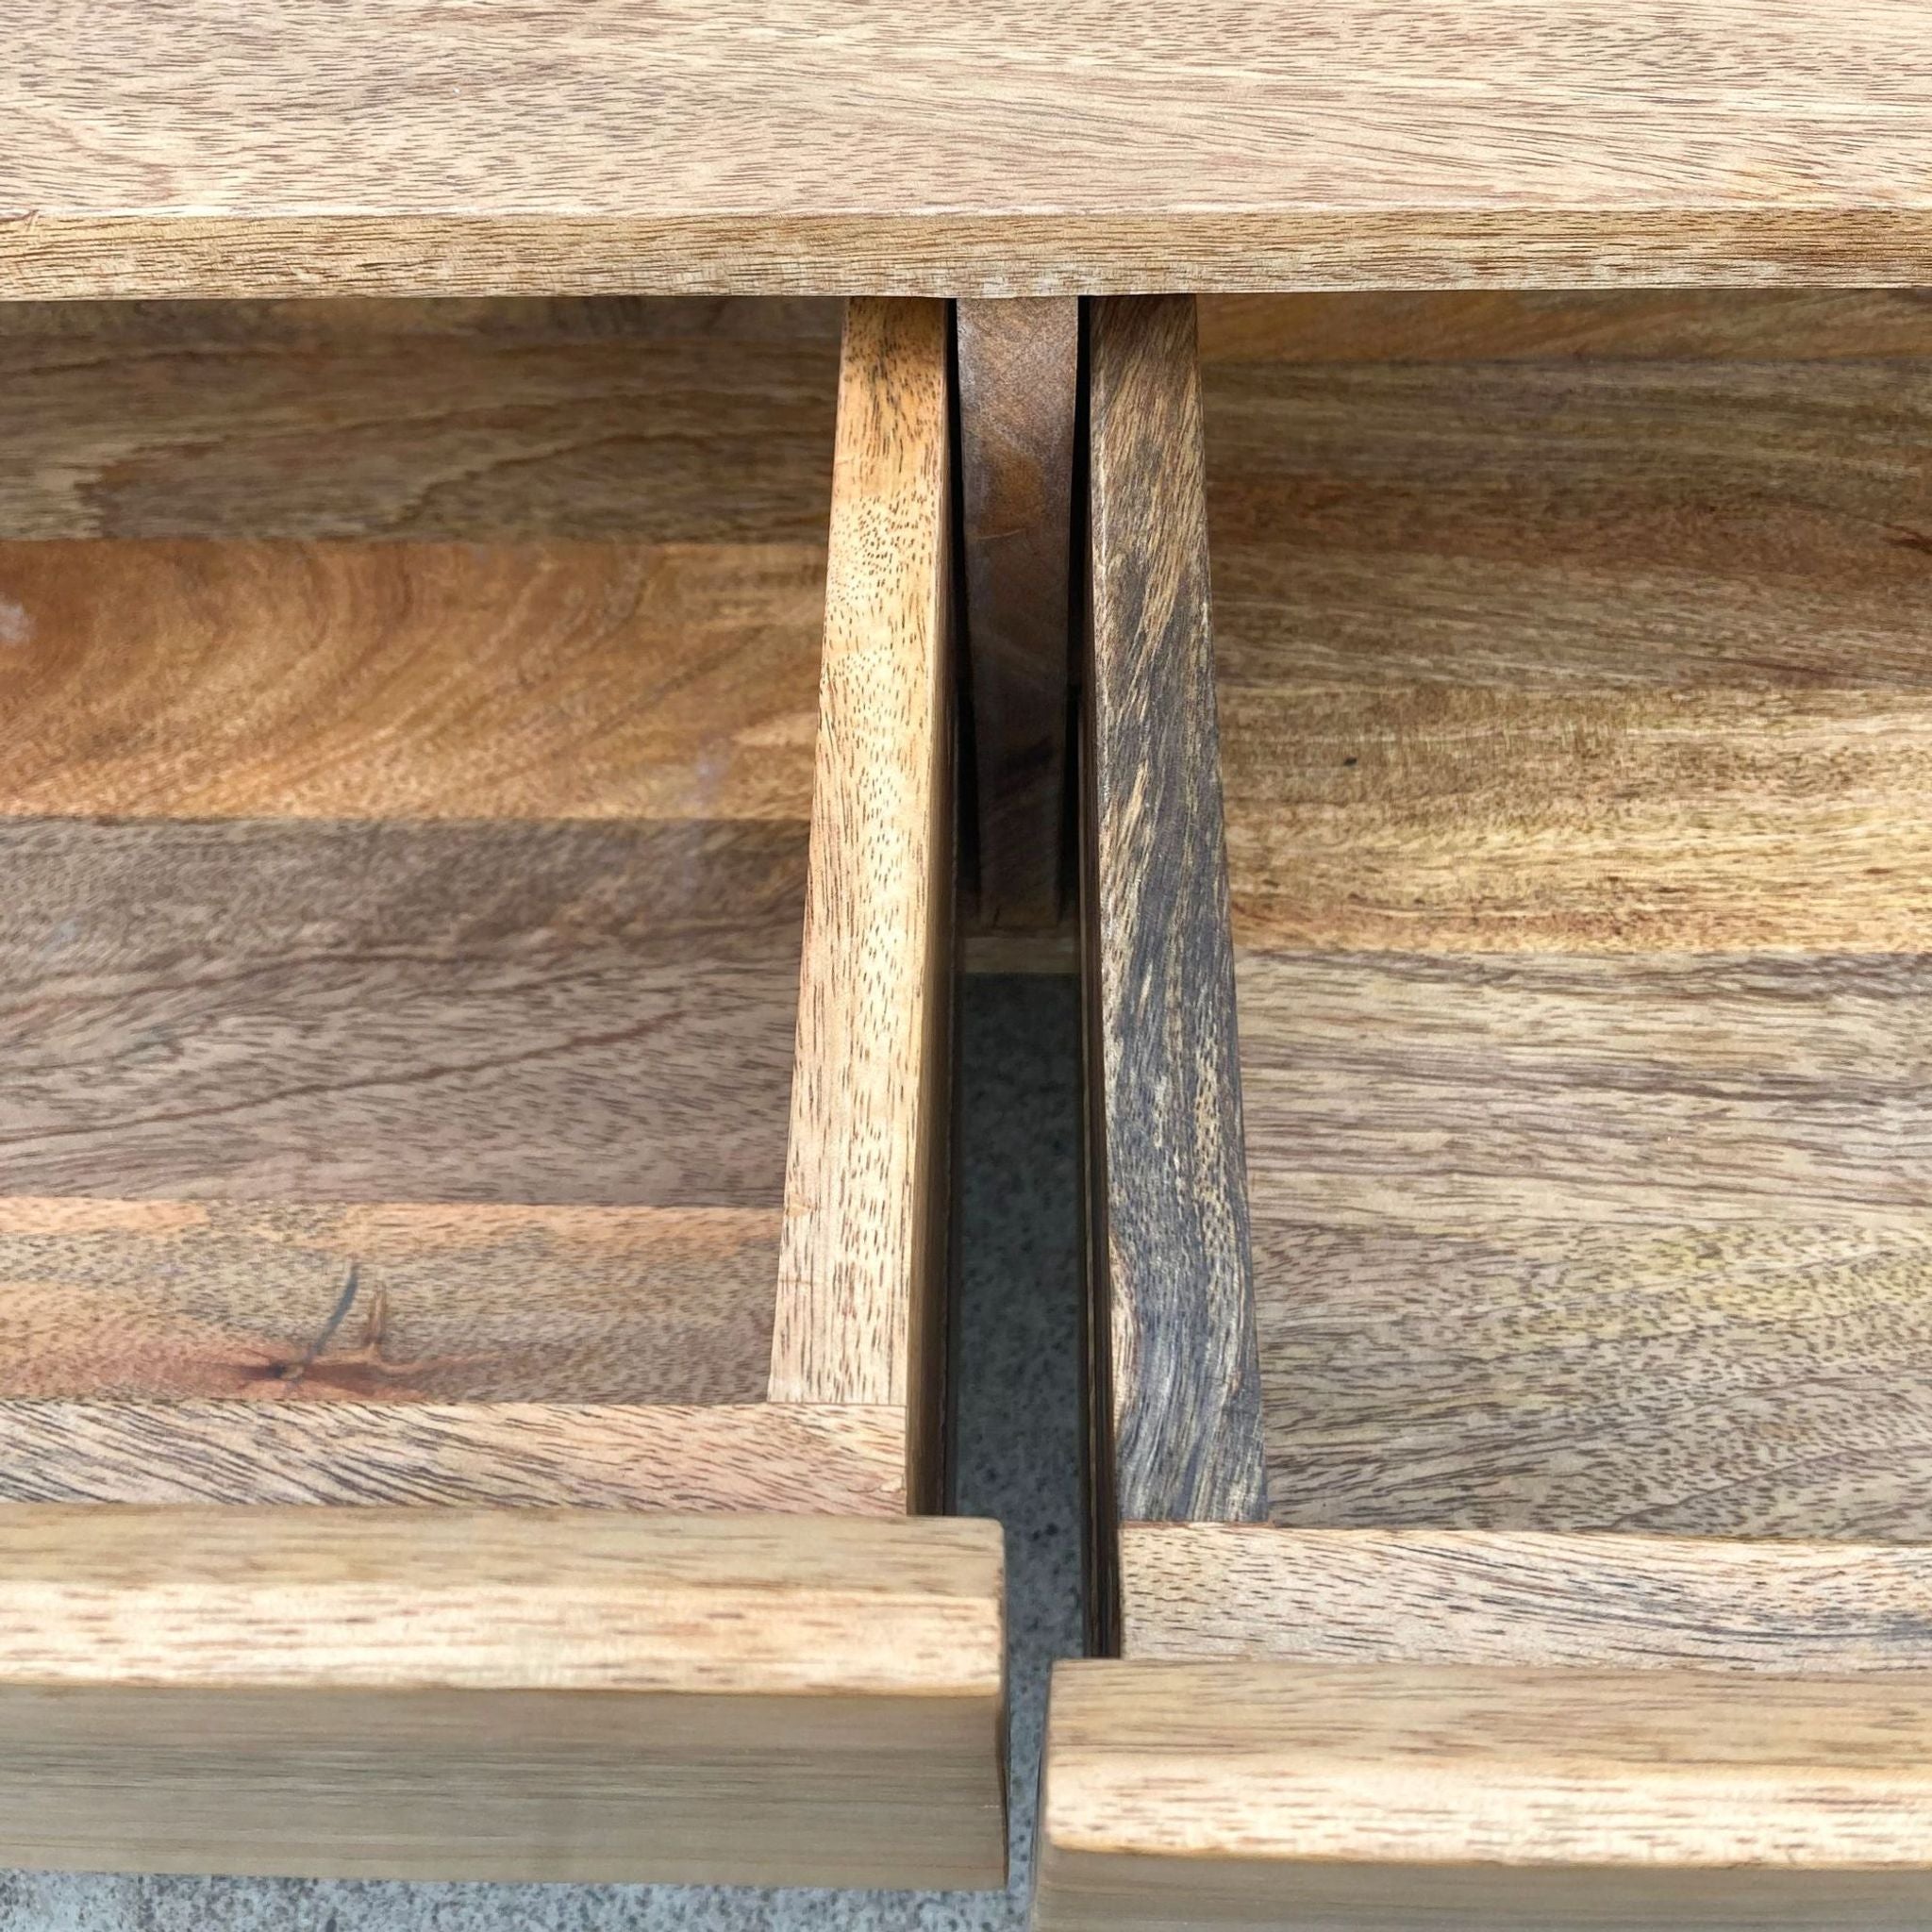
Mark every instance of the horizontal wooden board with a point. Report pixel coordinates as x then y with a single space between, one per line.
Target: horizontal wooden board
1312 1795
469 422
1512 1600
1543 324
821 1460
296 147
331 1011
166 1300
560 680
526 1694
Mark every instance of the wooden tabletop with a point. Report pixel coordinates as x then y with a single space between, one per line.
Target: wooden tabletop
282 147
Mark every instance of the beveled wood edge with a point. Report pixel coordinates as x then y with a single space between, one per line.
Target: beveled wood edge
1277 1795
1175 1376
48 254
617 1696
1253 1592
1018 371
856 1318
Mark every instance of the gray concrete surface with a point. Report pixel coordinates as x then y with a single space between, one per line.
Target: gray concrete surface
1018 1460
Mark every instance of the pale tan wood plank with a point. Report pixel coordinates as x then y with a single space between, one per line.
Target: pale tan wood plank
823 1460
530 1694
299 145
1208 1592
860 1277
266 1302
1540 324
560 680
1315 1795
468 421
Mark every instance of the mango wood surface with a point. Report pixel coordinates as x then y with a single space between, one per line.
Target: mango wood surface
1314 1796
1019 366
1577 736
1167 1206
228 147
522 1694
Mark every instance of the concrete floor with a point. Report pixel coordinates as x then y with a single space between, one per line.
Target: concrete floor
1018 1458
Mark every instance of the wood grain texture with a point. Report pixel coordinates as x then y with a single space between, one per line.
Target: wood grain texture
1208 1591
530 1694
560 679
1171 1197
167 1300
1575 748
293 147
597 1014
1019 375
856 1312
660 423
1314 1795
790 1458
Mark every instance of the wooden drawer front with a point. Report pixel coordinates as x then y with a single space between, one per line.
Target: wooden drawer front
477 813
1508 923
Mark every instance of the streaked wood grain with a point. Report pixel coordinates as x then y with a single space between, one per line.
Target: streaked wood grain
599 1013
1514 1600
279 1302
560 680
1168 1198
1311 1795
296 147
525 1694
810 1461
1019 377
861 1286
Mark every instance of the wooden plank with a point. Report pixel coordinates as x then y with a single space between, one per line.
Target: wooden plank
1207 1591
150 1301
1306 1796
597 1014
295 145
557 680
792 1460
466 421
1171 1201
507 1695
1019 375
857 1288
1544 324
1578 760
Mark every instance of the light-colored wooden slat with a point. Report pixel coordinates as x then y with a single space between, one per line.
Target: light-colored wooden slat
797 1460
525 1694
297 146
1200 1591
857 1276
497 422
1546 325
1320 1796
164 1300
1019 378
401 680
598 1014
1168 1200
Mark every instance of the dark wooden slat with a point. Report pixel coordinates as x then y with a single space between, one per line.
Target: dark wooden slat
1019 375
524 1013
1185 1379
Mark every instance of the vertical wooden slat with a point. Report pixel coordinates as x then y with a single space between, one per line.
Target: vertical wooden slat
1183 1371
1019 378
856 1297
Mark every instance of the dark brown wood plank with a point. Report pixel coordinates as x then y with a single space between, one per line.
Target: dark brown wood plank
593 1013
1184 1380
1019 374
145 1301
